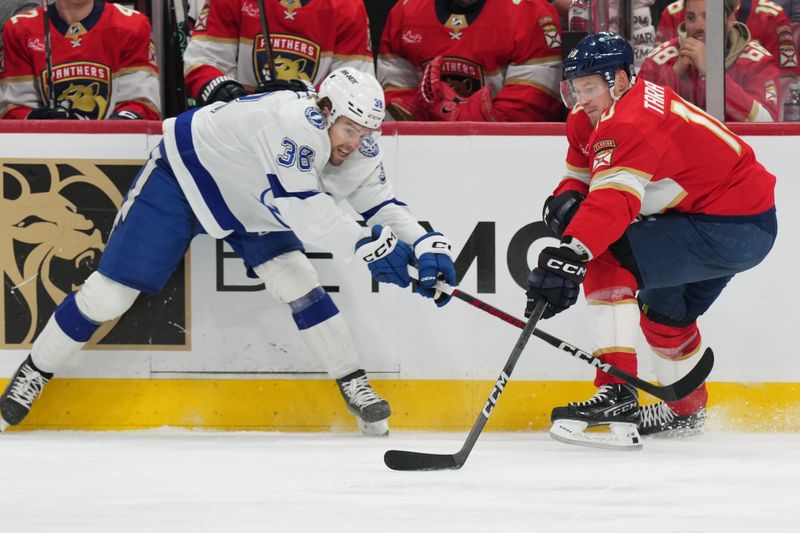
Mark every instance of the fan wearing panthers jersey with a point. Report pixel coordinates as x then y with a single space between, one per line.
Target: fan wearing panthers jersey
768 23
226 56
472 60
103 64
751 77
288 159
661 207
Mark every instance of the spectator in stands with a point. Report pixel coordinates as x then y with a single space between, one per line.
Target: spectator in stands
562 8
103 64
792 9
8 9
767 22
226 57
751 77
481 60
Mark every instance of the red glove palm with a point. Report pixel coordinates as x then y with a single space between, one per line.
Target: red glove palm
443 103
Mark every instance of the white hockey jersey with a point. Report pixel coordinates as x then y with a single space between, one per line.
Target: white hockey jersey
260 164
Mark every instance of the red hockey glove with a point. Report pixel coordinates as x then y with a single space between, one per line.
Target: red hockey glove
443 102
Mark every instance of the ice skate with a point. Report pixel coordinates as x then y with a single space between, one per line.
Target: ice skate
659 420
25 386
615 406
371 410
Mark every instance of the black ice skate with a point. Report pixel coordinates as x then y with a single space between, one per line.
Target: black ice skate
659 419
615 405
25 386
371 410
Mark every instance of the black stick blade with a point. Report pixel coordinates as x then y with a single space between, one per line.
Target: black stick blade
696 376
403 460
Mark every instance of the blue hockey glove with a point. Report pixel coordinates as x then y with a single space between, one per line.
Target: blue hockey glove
386 256
556 280
433 254
559 210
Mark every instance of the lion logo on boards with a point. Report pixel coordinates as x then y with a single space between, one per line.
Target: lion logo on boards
294 57
83 87
56 218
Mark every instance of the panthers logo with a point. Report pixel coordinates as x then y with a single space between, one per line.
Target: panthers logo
84 99
83 87
294 57
290 69
463 75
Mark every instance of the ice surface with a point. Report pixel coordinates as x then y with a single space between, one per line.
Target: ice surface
185 481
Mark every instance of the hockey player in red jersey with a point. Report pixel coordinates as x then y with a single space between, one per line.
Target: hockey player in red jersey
226 56
660 208
103 64
478 60
751 77
767 22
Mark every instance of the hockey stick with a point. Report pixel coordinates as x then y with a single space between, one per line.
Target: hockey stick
405 460
669 393
267 44
48 55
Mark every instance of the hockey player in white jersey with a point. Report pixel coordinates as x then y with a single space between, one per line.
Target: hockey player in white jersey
264 173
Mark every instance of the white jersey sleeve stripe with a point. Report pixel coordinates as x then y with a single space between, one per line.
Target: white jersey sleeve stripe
371 212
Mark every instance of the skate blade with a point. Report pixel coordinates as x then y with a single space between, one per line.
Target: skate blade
677 433
3 425
374 429
621 437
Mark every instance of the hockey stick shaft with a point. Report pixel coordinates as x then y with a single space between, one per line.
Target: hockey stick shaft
48 56
669 393
262 11
405 460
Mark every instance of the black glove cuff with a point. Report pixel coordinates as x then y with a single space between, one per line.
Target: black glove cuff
558 211
563 262
221 89
298 86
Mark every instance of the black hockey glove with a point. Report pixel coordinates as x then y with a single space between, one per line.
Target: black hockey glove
220 89
556 280
125 114
298 86
52 113
559 210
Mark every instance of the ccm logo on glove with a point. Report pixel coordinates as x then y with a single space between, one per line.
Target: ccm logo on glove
385 246
569 268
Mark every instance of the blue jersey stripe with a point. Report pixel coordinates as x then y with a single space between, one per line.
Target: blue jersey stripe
279 192
371 212
204 180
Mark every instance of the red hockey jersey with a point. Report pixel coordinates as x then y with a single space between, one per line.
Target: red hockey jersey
751 80
104 64
653 152
511 46
310 38
766 20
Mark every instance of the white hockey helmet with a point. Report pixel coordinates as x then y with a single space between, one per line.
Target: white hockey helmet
355 95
